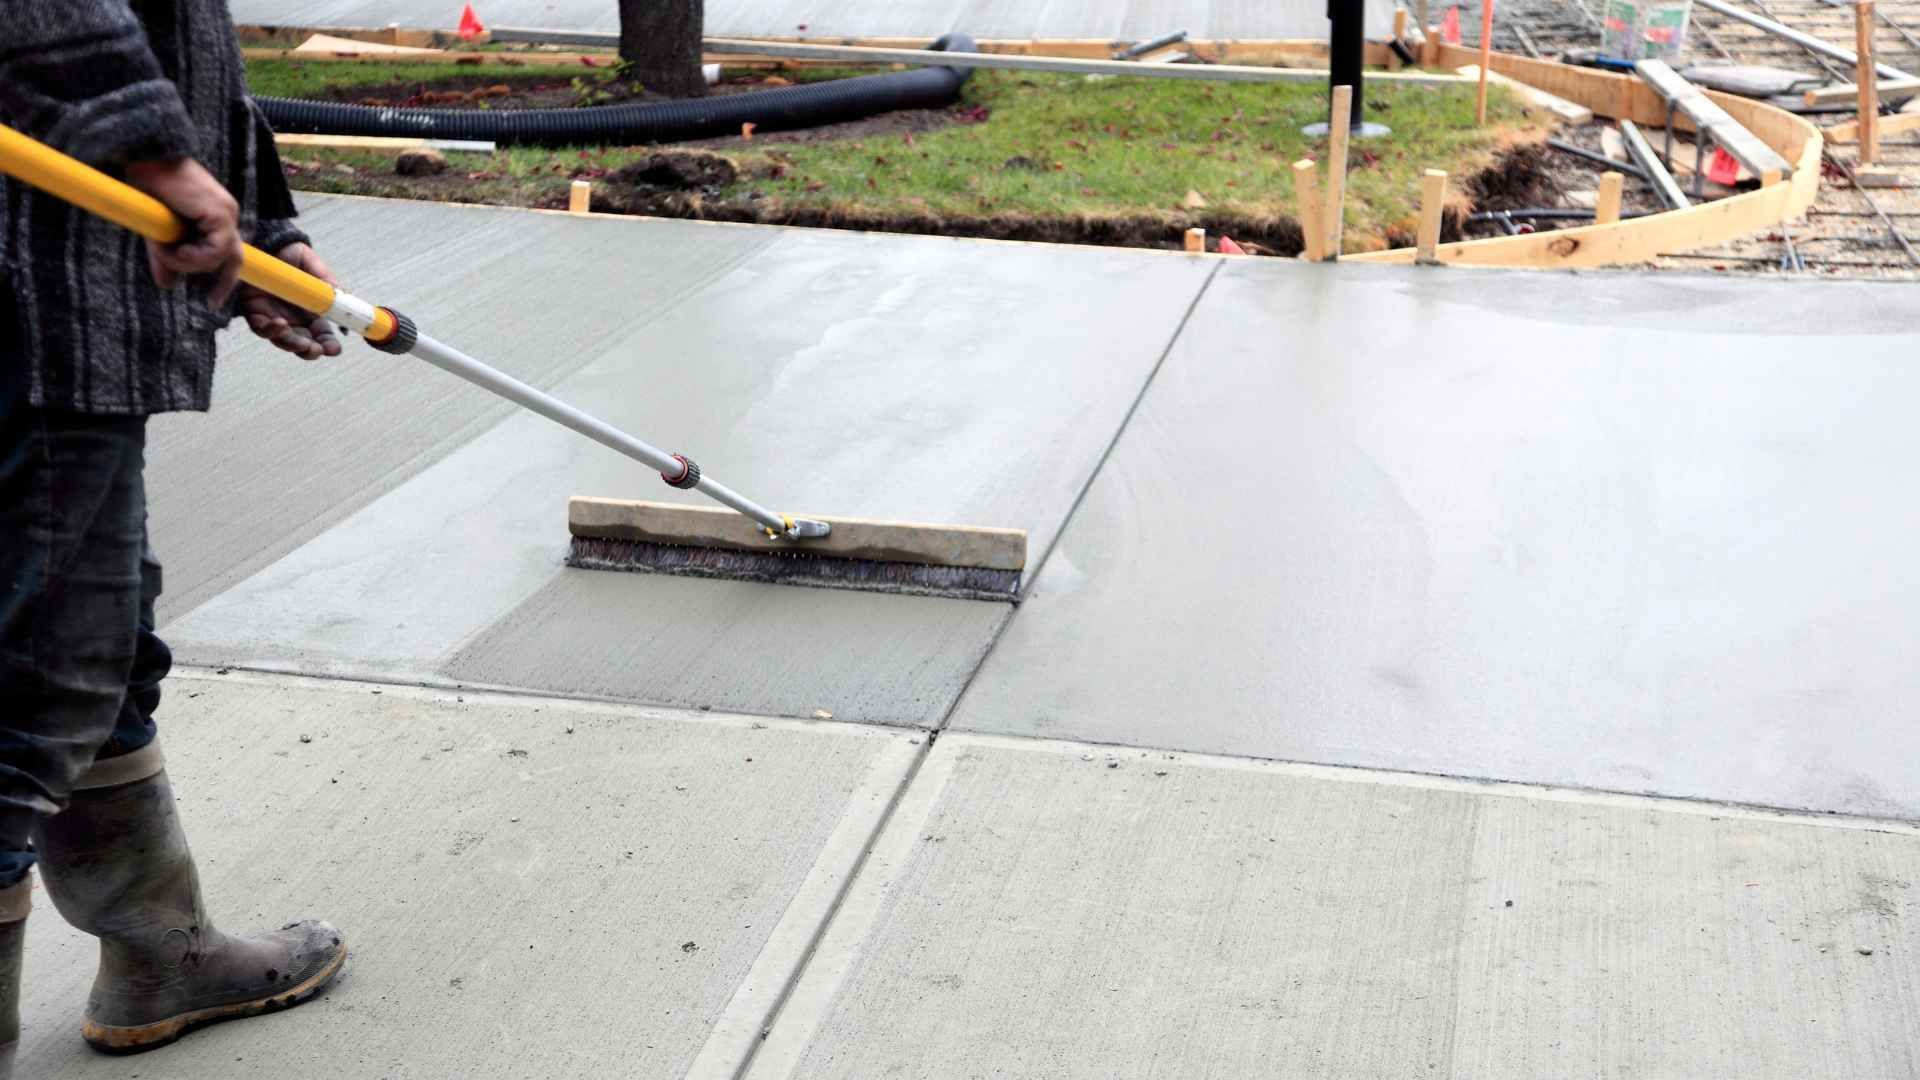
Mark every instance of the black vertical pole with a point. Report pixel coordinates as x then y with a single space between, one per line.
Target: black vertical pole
1347 49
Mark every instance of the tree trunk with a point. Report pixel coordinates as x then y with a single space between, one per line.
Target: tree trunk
660 39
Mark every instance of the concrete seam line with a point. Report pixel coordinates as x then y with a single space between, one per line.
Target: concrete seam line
1511 789
415 690
843 936
731 1042
1099 466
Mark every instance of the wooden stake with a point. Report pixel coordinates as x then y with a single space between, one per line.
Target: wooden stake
580 197
1433 198
1400 24
1428 50
1196 241
1486 62
1339 124
1868 81
1606 209
1306 192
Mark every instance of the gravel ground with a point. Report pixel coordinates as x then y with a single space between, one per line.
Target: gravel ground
1843 235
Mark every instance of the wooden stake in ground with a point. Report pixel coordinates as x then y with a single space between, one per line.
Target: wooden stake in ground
1427 49
1400 25
1486 62
1306 192
580 197
1868 82
1196 241
1606 208
1337 127
1433 198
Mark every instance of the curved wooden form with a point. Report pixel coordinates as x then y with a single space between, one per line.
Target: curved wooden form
1643 238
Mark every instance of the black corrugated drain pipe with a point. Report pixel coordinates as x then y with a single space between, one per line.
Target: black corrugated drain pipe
782 109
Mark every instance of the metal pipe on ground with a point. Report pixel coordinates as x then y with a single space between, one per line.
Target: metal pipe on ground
1149 45
1598 158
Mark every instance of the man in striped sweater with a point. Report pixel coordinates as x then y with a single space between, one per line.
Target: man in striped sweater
99 330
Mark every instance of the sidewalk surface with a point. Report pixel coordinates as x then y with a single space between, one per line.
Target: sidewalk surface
1425 673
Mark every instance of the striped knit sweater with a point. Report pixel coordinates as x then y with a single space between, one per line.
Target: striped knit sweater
110 82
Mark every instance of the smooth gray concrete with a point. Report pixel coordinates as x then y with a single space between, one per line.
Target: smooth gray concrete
1128 20
1054 910
1614 531
915 379
527 887
292 449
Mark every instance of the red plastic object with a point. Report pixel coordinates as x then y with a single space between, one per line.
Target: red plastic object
470 25
1722 168
1450 26
1228 247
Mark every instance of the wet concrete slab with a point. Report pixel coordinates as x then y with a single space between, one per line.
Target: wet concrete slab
913 379
294 448
1039 908
528 887
1130 20
1613 531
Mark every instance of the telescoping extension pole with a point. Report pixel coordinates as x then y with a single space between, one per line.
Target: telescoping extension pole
35 163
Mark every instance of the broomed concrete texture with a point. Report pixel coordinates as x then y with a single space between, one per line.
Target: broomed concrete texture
528 888
1128 20
1037 909
914 379
1610 531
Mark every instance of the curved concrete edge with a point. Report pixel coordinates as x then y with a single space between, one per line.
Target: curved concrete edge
1644 238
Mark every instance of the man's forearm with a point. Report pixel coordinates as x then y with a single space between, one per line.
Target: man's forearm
79 76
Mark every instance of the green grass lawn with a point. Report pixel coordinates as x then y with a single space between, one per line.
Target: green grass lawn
1030 146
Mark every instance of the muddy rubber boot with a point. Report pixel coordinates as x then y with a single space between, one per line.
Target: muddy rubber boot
116 865
15 900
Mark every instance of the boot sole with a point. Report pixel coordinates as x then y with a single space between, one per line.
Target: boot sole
132 1040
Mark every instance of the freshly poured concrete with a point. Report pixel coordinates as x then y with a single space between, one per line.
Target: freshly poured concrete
1053 910
908 379
1128 20
527 887
293 448
1612 531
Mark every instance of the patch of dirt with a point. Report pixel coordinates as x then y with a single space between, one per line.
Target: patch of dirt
678 170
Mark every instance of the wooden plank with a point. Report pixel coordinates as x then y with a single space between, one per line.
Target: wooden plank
1433 199
1876 176
1650 163
1534 96
1339 121
1195 241
1606 208
851 538
1843 93
1306 194
381 142
330 43
1629 241
1888 125
1869 101
580 196
1744 145
352 55
1201 72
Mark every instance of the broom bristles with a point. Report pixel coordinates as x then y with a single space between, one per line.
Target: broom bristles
794 568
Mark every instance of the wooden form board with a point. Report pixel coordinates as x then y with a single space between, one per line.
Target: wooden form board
1533 96
1889 125
1845 93
1063 65
1729 133
1643 238
1283 52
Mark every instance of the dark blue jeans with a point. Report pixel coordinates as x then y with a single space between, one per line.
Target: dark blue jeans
80 667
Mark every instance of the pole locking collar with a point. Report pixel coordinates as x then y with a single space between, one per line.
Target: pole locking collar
689 474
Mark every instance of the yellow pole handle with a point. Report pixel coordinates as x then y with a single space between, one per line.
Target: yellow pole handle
33 162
